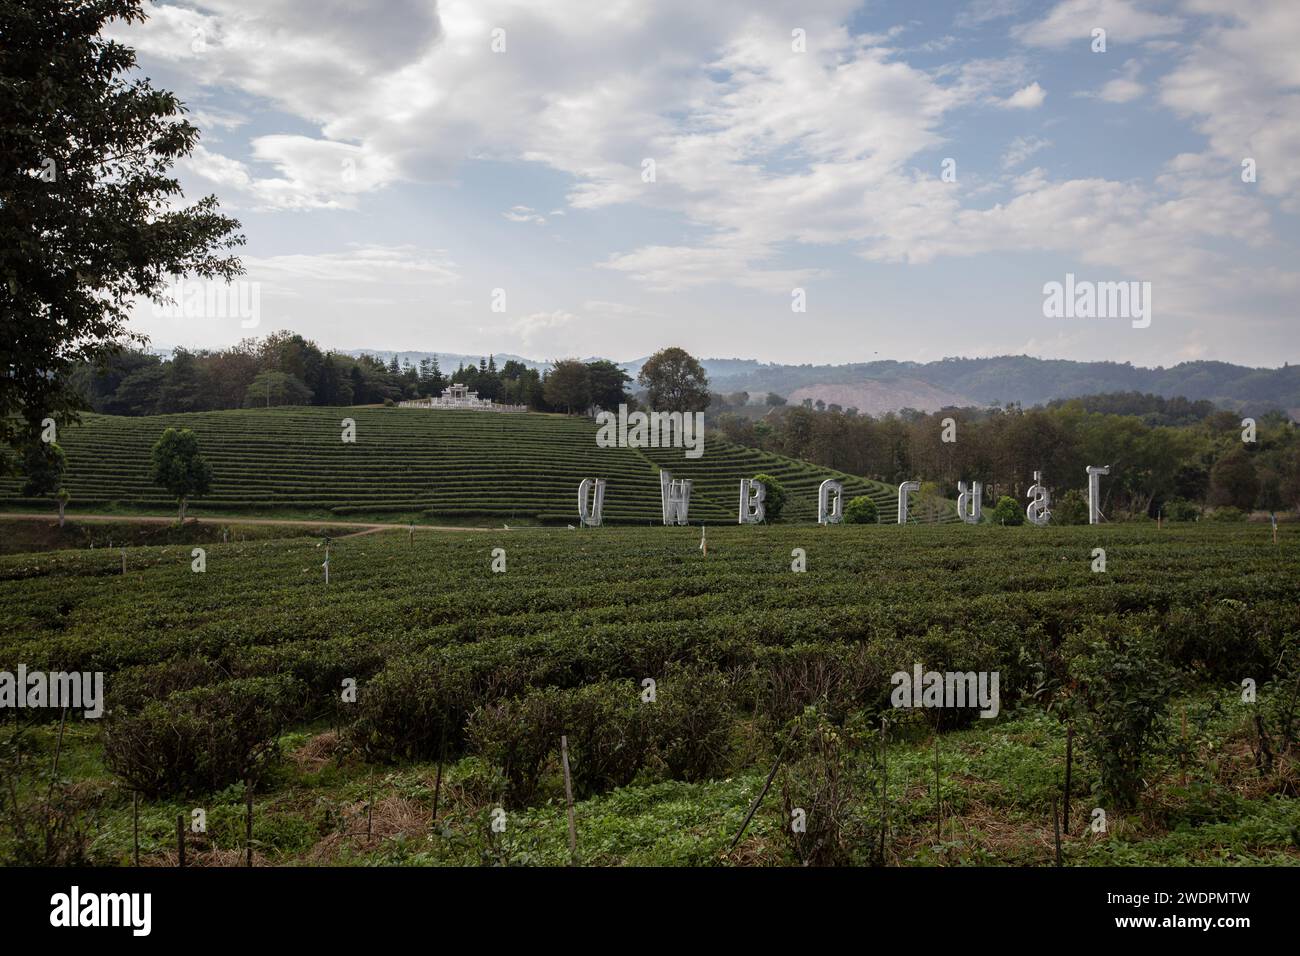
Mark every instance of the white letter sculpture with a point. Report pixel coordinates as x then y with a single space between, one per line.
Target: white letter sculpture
905 489
1094 503
752 496
675 497
828 512
970 502
591 500
1037 512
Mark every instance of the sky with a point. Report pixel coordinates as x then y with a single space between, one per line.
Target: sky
609 177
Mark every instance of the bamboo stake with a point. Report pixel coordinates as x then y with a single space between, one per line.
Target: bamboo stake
135 825
568 797
1069 763
884 789
248 825
757 800
180 839
938 803
1056 829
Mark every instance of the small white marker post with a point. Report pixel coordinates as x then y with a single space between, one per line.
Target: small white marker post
124 560
704 541
326 565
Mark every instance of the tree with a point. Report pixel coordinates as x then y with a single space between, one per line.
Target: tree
276 388
90 217
568 386
774 497
179 468
774 400
1007 511
676 381
608 384
43 465
1233 480
861 510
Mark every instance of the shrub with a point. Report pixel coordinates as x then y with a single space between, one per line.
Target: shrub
389 403
612 733
861 510
1007 511
819 782
201 740
1180 509
1071 508
1227 513
691 723
774 502
518 736
1123 685
416 704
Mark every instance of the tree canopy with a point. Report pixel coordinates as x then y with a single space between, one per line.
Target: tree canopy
91 217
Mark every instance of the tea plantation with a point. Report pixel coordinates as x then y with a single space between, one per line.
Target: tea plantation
410 711
419 465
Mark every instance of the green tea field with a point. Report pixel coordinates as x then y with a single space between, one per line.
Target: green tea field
416 464
411 711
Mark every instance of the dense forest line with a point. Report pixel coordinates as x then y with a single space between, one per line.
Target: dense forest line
286 369
1166 453
1168 456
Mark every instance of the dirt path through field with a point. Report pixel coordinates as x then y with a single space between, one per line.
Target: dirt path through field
368 527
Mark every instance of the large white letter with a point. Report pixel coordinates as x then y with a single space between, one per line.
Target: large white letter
591 499
752 496
1094 502
970 502
905 489
828 512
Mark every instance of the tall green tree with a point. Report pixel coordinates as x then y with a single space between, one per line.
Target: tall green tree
676 381
608 384
90 216
568 386
43 465
179 468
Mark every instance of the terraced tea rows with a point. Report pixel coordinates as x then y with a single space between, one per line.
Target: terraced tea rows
490 667
407 461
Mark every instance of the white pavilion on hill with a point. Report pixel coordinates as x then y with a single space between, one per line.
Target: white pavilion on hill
459 396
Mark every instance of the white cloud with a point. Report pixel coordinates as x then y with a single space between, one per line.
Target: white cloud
1239 83
1029 98
1072 22
1021 148
1123 88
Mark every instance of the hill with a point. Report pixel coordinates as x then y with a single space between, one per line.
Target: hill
418 464
889 386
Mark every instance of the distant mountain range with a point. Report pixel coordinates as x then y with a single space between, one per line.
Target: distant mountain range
879 387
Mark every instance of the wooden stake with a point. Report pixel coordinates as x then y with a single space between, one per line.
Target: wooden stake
58 749
370 817
568 797
757 800
135 825
1182 757
1056 829
124 560
1069 763
938 803
437 784
180 839
248 824
884 789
